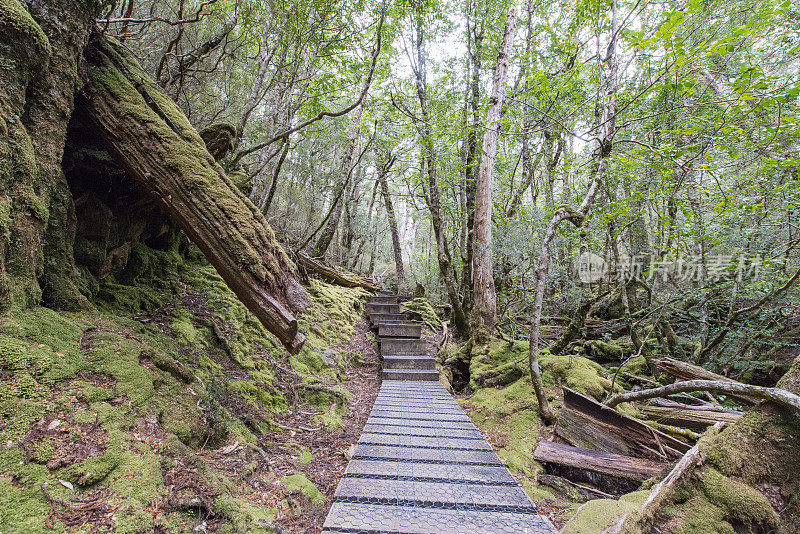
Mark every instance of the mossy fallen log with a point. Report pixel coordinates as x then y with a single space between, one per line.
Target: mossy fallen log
332 275
154 142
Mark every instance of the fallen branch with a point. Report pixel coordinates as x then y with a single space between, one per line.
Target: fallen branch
776 395
635 522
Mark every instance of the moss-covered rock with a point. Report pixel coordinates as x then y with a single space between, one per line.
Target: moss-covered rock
420 307
575 372
597 515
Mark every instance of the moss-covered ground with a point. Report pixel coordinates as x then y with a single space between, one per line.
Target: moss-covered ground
503 405
160 407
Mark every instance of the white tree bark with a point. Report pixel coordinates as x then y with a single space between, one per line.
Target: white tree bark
485 309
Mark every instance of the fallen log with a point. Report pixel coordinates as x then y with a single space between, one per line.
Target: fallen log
687 417
688 371
154 142
332 275
584 422
776 395
628 467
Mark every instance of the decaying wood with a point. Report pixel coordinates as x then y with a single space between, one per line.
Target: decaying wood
638 521
584 422
688 371
157 146
776 395
332 275
688 417
606 463
572 489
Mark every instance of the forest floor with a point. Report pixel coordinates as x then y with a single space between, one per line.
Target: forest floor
324 455
169 409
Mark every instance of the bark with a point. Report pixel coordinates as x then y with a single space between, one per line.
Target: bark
584 422
688 416
333 275
386 162
485 305
154 142
41 44
607 463
776 395
475 34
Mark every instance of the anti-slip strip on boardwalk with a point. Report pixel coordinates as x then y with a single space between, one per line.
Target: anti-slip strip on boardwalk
477 438
436 418
404 478
469 449
426 461
412 503
403 416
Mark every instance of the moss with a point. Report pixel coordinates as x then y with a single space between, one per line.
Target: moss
599 514
701 517
497 363
299 483
90 394
575 372
331 318
242 181
510 416
739 501
13 16
183 327
23 511
421 307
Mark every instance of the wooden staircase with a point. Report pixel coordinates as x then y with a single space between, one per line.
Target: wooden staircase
403 351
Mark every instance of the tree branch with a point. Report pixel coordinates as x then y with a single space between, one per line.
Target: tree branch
322 114
776 395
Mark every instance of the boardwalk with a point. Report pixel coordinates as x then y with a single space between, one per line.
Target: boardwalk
420 465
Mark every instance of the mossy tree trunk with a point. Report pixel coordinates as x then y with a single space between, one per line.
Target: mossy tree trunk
157 146
40 46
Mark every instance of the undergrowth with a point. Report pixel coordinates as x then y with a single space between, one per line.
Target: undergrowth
120 406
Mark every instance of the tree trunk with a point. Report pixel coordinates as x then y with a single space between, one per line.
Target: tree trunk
485 307
41 44
154 142
345 166
474 50
434 198
608 94
386 162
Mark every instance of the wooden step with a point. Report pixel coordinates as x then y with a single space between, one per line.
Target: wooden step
382 299
373 309
607 463
408 330
410 374
399 346
376 318
409 362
